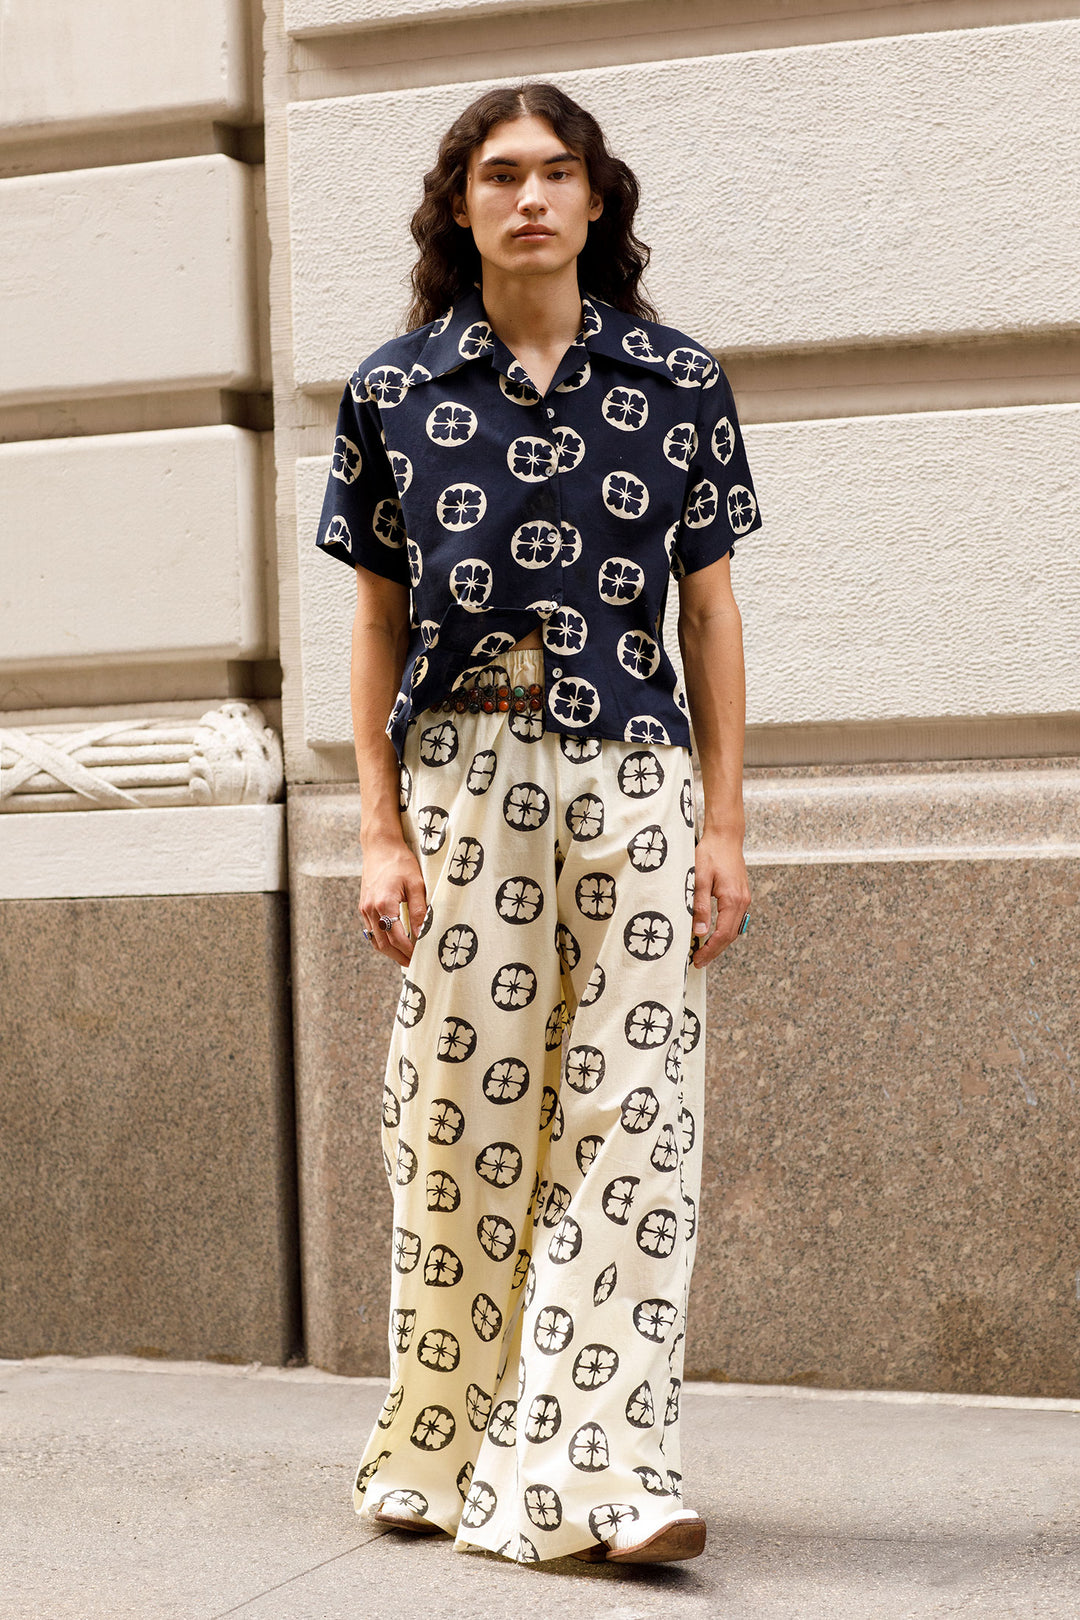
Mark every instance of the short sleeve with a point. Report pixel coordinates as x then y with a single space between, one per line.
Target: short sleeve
721 505
361 521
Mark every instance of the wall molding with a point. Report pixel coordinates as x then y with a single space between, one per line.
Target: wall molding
222 849
228 756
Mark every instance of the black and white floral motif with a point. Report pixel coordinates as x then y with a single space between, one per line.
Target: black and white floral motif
579 749
443 1192
439 1350
506 1081
585 1066
641 775
466 863
402 1327
648 1024
604 1286
625 496
657 1233
638 653
480 1504
407 1164
611 1517
461 506
618 1198
457 1037
544 1419
411 1004
502 1424
588 1449
446 1121
648 935
680 444
526 806
481 771
594 988
439 743
457 948
519 900
390 1407
431 825
477 1407
640 1412
585 1152
639 1111
665 1153
442 1267
553 1329
487 1318
655 1318
406 1249
595 1365
451 424
345 462
574 700
499 1164
566 632
532 460
723 441
585 817
565 1244
496 1236
543 1506
741 508
620 581
535 545
513 986
470 583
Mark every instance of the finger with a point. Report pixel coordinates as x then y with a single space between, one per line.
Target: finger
728 921
416 900
702 912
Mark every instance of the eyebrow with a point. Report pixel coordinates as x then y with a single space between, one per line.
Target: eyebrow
514 163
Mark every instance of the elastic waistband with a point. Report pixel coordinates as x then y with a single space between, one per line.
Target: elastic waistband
523 667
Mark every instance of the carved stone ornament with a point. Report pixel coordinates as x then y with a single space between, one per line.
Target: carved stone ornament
228 756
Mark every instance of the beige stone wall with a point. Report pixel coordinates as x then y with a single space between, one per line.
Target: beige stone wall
135 444
865 212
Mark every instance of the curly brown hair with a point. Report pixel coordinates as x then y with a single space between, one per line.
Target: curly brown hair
611 263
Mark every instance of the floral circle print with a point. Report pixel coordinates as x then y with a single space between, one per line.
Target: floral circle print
441 428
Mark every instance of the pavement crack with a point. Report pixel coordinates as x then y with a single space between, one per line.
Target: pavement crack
299 1576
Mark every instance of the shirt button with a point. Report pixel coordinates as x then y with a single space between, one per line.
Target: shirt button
551 414
556 671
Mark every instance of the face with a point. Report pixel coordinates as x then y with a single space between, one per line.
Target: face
527 199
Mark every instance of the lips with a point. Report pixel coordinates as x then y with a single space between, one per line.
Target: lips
532 230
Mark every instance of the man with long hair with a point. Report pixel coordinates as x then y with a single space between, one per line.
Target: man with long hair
515 481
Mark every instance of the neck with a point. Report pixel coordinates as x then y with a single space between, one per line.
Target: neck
535 312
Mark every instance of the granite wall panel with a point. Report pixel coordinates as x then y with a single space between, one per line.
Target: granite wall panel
147 1163
889 1197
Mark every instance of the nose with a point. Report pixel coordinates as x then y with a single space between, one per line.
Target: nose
531 196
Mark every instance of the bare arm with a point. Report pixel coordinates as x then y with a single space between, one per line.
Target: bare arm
390 871
710 636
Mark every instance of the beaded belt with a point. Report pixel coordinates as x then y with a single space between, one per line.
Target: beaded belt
493 700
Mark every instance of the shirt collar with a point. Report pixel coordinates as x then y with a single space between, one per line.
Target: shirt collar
463 334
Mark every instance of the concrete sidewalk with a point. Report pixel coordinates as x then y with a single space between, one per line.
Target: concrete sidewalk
186 1491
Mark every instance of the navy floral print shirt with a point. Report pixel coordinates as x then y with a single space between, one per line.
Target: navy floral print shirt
503 510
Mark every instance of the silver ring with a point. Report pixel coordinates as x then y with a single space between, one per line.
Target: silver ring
386 923
744 926
367 934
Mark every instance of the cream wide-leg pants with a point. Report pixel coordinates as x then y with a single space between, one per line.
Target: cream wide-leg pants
542 1119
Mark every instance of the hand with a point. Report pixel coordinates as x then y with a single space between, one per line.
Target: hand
720 875
391 874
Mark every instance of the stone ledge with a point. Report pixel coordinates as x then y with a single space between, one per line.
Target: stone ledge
219 849
952 814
